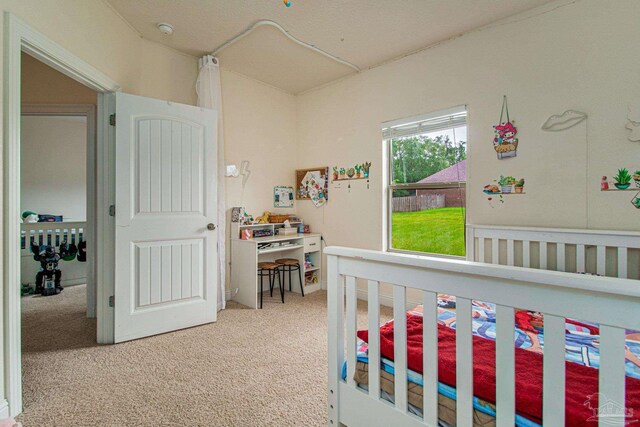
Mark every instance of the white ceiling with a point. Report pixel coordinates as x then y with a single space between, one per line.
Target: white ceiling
364 32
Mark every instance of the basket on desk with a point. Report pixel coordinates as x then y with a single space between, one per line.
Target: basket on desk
275 219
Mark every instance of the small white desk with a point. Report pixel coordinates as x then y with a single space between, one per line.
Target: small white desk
245 256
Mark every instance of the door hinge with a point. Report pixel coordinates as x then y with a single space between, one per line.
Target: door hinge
112 301
112 210
112 119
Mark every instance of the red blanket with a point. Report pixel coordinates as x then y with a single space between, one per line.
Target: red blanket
581 381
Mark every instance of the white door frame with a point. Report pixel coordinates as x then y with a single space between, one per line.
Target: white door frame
19 37
87 111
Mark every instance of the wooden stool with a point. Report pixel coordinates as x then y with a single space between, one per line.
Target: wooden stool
289 265
271 270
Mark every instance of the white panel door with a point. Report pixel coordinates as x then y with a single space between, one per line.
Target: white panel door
166 256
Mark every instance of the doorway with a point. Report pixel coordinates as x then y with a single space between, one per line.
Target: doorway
20 38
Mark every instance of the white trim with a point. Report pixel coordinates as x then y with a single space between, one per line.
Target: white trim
89 112
20 37
458 109
105 252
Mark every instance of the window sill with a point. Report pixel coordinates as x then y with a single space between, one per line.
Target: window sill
426 254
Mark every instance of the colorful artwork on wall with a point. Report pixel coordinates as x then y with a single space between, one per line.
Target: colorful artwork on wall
359 171
505 142
505 185
621 181
282 197
313 184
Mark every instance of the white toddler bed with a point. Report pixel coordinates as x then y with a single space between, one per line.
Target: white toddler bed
504 277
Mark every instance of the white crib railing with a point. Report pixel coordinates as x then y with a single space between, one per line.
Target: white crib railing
614 303
52 233
607 253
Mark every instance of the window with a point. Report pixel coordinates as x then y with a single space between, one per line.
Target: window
427 182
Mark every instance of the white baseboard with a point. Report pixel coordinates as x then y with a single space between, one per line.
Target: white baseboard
4 409
386 300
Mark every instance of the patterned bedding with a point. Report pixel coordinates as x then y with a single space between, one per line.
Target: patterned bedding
582 343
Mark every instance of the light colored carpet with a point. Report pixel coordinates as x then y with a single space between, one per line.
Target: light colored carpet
252 368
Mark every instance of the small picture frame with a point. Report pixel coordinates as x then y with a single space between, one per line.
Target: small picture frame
283 197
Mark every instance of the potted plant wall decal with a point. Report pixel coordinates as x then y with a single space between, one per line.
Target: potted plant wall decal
636 178
519 186
365 169
342 173
358 169
506 184
623 179
335 173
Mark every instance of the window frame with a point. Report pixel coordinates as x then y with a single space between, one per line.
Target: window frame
390 187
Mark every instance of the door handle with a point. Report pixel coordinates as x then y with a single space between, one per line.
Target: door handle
211 226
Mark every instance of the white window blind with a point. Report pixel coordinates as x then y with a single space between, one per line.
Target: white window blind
426 123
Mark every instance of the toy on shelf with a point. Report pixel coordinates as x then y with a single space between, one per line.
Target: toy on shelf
311 278
29 217
307 262
264 219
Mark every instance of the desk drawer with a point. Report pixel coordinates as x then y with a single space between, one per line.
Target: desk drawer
312 244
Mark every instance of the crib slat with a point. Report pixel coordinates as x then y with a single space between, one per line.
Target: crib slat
612 367
374 339
510 250
505 367
335 314
553 385
400 347
352 341
601 260
430 358
526 253
543 255
560 257
622 262
580 260
495 253
464 363
480 249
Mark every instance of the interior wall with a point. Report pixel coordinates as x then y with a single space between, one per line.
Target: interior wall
42 84
567 55
54 166
260 127
92 31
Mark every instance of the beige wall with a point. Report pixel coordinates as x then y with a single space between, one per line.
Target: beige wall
42 84
90 30
54 166
577 56
260 126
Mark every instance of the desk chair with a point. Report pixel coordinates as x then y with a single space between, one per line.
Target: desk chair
289 265
270 270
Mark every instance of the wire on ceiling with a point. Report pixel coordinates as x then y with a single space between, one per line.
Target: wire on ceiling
267 22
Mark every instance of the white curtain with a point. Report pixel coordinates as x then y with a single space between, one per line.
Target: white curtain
210 96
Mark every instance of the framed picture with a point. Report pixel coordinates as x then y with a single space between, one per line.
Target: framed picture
282 197
305 176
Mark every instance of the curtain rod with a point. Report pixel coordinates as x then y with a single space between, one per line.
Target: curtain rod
274 24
